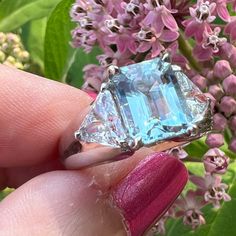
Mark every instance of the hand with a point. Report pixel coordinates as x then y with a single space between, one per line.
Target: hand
52 201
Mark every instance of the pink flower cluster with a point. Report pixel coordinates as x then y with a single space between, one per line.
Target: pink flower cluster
201 38
209 190
221 87
126 31
123 28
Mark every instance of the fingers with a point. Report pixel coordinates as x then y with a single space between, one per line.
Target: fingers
75 203
16 176
34 112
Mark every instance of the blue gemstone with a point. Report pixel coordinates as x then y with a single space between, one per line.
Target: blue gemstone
155 101
150 101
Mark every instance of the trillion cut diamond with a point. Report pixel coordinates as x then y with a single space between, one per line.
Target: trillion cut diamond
103 124
150 101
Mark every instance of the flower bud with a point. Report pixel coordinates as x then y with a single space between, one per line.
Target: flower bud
2 38
2 56
232 123
222 69
16 51
232 145
200 81
19 65
229 85
13 38
232 59
24 56
11 59
178 152
210 77
215 161
7 63
228 105
215 140
5 47
219 122
216 91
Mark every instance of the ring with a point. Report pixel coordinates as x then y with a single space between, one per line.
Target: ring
147 104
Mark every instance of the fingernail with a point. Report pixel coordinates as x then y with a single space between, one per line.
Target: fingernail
148 191
123 155
3 179
74 148
93 95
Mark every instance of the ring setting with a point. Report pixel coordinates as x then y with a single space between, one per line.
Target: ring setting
146 104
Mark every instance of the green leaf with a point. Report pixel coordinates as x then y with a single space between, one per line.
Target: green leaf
33 34
15 13
4 193
218 222
58 53
75 74
197 148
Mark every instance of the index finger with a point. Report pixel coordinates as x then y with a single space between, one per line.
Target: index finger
34 112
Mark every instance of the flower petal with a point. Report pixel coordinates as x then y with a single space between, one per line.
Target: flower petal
121 45
211 19
144 47
223 13
156 49
203 54
169 21
226 197
191 28
158 24
169 36
150 18
192 12
229 27
198 181
132 47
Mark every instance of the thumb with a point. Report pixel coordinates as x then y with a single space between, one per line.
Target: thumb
70 203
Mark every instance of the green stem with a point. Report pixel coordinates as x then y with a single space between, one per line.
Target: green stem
186 49
192 159
228 135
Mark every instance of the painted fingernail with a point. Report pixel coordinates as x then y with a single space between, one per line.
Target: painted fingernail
93 95
148 191
3 179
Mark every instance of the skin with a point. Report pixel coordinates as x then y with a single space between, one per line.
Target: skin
50 200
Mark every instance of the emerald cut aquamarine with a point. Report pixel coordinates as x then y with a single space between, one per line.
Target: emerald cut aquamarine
150 101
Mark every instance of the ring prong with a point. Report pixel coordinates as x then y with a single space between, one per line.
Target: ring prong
125 147
166 57
77 135
113 70
162 66
103 87
176 68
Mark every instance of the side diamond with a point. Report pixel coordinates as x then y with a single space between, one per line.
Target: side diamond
102 124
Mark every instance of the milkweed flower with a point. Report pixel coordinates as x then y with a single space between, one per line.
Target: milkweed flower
201 17
215 161
212 188
189 207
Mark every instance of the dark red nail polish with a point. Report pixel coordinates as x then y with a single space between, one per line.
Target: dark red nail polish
147 192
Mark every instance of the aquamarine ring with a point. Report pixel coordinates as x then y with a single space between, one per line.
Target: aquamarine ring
151 103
